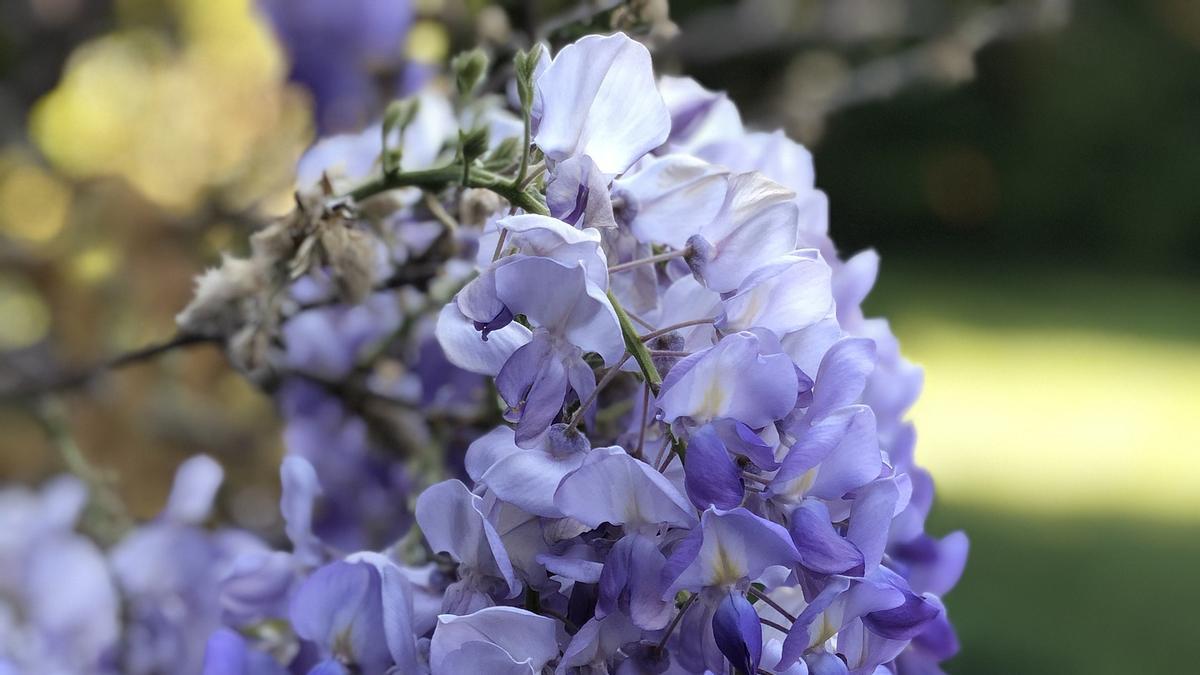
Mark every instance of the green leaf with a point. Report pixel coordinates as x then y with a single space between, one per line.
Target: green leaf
398 116
504 155
469 69
473 143
526 64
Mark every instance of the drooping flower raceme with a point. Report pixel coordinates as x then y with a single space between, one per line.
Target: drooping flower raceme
701 461
755 509
675 444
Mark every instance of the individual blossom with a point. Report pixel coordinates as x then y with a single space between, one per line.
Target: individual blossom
556 281
359 614
169 571
454 524
60 608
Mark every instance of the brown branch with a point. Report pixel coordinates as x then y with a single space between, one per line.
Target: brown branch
83 376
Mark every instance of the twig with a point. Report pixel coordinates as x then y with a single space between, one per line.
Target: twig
772 624
645 420
440 213
108 519
687 604
608 377
669 353
538 170
774 605
450 174
682 324
669 255
82 377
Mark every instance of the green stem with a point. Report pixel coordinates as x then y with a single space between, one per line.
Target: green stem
519 183
106 518
635 346
452 174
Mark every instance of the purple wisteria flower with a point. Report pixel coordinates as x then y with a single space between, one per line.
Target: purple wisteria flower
655 431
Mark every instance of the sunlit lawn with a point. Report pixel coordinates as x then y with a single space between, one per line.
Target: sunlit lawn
1060 419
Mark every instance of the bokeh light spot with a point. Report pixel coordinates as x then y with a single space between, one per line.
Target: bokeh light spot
428 42
34 204
26 317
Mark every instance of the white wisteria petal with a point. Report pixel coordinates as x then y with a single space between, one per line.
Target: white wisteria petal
598 98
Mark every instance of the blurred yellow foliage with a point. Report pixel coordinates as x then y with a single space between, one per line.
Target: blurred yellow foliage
34 203
428 42
25 315
94 264
205 109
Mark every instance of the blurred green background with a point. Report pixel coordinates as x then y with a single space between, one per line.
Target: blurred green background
1032 191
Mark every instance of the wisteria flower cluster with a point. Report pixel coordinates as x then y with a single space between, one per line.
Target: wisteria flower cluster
680 447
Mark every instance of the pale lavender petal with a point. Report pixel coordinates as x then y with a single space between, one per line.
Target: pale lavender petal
733 380
853 281
822 549
824 663
300 492
534 385
842 375
934 566
227 653
808 346
528 479
478 656
577 194
855 461
523 635
845 447
560 299
196 483
938 638
757 223
598 98
669 199
684 300
699 117
804 633
904 622
596 643
256 587
452 521
70 594
871 518
340 608
737 546
786 295
774 154
548 237
488 449
465 348
479 301
612 487
742 440
582 570
630 583
397 609
772 660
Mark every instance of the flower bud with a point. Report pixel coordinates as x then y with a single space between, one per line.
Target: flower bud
469 68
